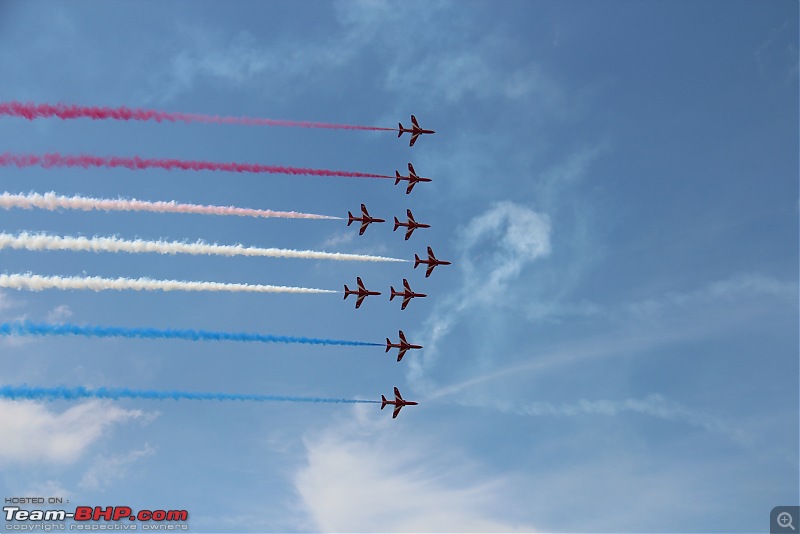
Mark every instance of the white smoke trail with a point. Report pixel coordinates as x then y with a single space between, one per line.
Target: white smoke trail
112 244
51 201
35 282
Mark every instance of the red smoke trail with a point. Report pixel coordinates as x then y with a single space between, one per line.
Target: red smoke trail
57 160
66 112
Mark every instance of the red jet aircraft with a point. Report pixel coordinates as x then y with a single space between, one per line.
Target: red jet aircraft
411 225
412 178
403 345
361 292
415 130
365 219
431 262
398 402
407 294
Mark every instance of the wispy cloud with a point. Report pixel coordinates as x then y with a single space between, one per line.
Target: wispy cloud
5 301
494 247
634 330
59 314
338 238
654 405
69 434
399 33
105 470
637 327
735 288
357 479
51 488
208 53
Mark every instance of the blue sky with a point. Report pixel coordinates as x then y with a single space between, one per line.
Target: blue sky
615 347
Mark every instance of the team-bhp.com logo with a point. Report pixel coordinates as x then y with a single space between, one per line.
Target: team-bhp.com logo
152 519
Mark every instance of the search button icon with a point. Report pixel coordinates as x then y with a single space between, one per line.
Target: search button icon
785 520
782 519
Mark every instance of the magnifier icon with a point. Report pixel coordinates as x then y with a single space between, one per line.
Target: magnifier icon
784 520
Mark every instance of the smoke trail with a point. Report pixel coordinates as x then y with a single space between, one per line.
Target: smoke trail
35 282
113 244
26 328
50 201
64 393
65 112
55 159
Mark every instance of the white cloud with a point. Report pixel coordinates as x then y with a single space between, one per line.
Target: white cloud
59 314
519 236
210 53
633 330
5 301
49 488
495 247
105 469
33 433
338 238
357 479
736 288
454 75
654 405
402 34
552 185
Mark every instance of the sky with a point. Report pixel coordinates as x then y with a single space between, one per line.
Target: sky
614 347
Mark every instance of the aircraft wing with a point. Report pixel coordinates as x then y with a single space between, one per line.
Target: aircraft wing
405 303
413 139
360 284
430 269
397 394
397 410
411 184
364 225
430 254
359 300
410 216
409 232
414 121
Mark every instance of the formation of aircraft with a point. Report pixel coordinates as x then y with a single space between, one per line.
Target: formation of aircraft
398 402
361 291
412 178
407 294
415 130
365 219
403 345
432 262
410 225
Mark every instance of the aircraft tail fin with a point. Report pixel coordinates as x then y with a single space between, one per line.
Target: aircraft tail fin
400 129
396 224
393 293
387 344
397 177
416 261
383 402
346 291
350 218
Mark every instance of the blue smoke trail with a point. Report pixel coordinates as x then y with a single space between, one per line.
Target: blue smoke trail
65 393
26 328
